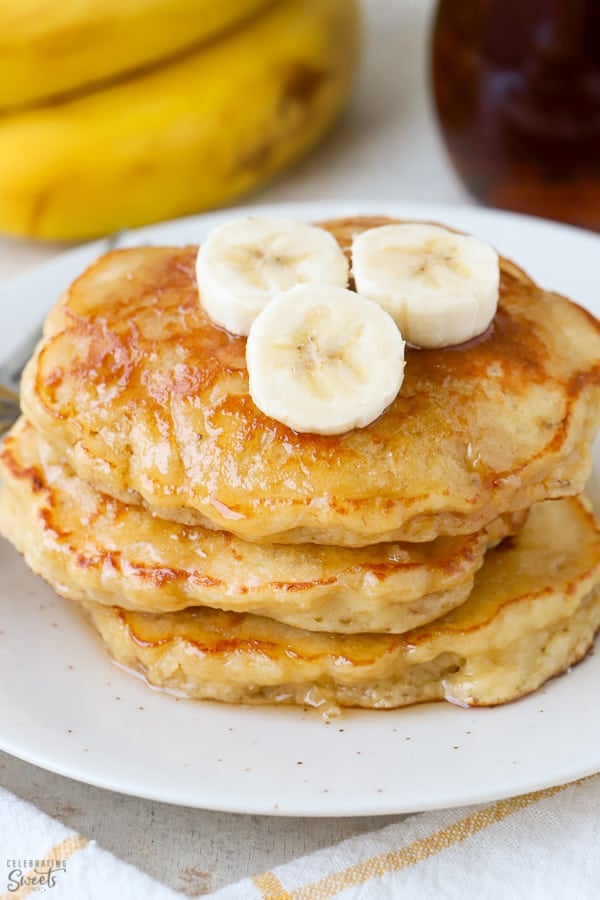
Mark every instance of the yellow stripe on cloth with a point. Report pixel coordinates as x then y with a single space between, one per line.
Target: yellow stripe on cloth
413 853
270 886
63 850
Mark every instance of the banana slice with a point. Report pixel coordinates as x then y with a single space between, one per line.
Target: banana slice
324 359
441 288
245 263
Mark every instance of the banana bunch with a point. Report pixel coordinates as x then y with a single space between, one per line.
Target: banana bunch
116 113
53 49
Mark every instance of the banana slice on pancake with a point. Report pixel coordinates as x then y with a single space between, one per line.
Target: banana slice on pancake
323 359
440 287
245 263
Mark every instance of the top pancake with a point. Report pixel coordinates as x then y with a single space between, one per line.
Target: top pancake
149 401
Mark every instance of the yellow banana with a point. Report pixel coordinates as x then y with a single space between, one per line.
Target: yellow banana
186 136
49 48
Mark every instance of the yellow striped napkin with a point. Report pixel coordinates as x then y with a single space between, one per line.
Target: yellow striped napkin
42 858
540 846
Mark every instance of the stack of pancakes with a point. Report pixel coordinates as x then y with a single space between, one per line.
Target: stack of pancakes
442 552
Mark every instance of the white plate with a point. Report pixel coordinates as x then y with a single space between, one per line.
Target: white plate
66 707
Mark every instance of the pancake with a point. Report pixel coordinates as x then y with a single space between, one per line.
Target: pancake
533 612
149 401
87 544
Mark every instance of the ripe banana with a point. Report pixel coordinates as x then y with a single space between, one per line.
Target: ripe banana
48 49
188 135
245 263
440 287
323 359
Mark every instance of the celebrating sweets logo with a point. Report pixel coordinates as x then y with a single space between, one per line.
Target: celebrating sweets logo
33 874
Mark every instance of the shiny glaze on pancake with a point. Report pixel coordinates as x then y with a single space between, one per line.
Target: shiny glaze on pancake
533 612
88 544
150 401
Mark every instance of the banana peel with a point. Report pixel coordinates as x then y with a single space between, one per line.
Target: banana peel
185 136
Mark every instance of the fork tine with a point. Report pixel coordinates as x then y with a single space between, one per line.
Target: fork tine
12 367
10 409
8 399
9 413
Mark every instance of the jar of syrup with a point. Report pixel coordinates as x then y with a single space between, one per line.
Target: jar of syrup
516 85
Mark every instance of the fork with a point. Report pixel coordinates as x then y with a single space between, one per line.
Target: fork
10 379
12 368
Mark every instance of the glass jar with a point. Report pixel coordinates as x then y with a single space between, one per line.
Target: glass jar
516 84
